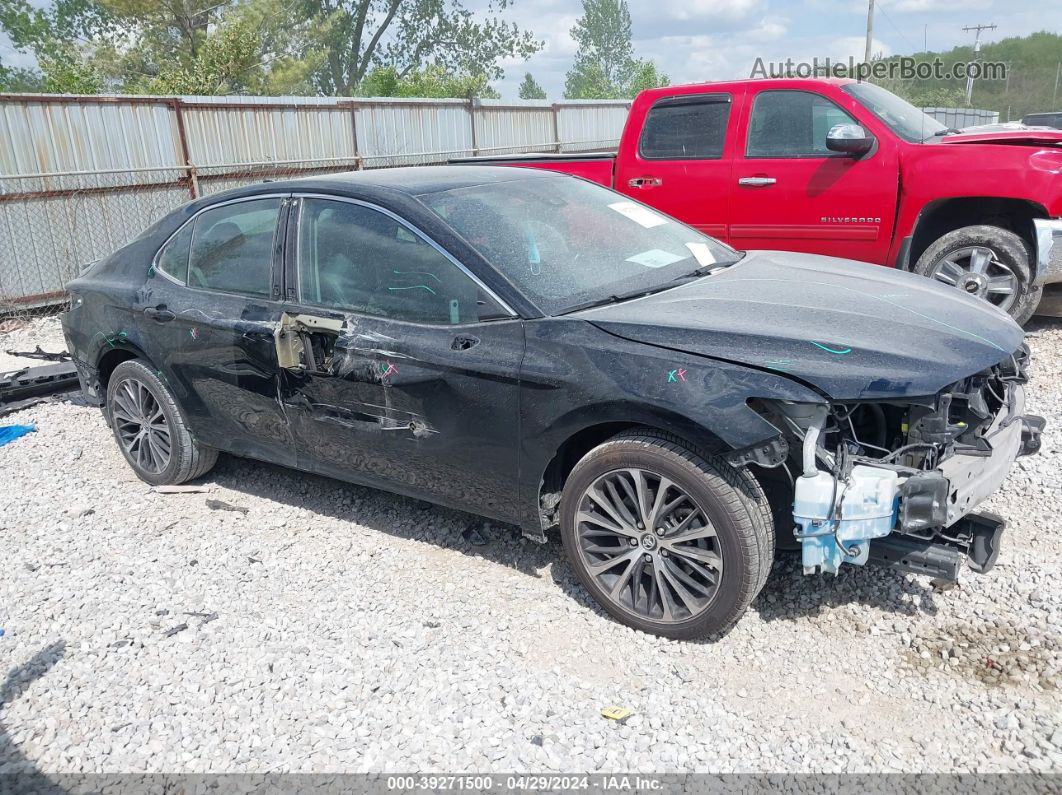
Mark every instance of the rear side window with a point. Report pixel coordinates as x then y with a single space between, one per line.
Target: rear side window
232 247
792 124
686 128
173 258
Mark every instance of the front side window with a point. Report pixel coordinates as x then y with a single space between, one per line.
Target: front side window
232 247
356 258
685 128
173 258
903 118
564 242
792 124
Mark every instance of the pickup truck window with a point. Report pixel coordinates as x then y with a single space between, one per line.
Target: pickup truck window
565 242
685 128
792 124
901 116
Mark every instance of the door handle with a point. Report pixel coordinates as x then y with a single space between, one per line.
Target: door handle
645 182
757 182
160 314
462 342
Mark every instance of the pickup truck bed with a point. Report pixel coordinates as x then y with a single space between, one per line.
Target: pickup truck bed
595 166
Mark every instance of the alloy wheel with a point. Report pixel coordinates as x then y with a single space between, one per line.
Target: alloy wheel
978 271
143 430
648 545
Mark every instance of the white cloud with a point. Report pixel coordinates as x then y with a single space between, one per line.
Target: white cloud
730 10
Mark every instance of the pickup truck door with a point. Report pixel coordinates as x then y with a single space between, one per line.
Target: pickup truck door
791 193
680 159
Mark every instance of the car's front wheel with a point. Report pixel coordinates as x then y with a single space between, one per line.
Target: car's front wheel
150 429
987 262
666 539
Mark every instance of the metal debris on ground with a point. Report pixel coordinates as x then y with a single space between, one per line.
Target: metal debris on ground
474 537
206 617
181 489
219 505
169 633
38 353
8 433
18 386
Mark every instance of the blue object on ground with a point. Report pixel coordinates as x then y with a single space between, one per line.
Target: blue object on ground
8 433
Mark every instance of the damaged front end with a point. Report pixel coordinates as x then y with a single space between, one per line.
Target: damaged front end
895 483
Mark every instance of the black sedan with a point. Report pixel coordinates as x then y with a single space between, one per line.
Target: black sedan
543 351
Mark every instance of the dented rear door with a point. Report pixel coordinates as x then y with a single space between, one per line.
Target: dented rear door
208 311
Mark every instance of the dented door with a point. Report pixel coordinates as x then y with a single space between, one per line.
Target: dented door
428 411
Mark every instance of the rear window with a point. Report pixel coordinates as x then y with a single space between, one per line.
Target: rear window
686 128
232 247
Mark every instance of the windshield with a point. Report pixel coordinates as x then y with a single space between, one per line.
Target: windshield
905 119
565 242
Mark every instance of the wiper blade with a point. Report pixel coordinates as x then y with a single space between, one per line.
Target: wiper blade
942 133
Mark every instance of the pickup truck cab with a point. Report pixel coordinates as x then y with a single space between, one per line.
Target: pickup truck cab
846 169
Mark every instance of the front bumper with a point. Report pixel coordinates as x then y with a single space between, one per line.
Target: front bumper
1048 250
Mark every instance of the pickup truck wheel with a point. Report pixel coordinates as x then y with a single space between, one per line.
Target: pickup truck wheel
667 540
987 262
151 430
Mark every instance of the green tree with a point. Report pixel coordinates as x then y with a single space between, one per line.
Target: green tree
226 62
14 79
530 89
432 81
407 36
605 66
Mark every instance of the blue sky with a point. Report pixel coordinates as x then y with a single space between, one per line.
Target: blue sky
699 40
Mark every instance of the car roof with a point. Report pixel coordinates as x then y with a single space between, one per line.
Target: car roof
412 180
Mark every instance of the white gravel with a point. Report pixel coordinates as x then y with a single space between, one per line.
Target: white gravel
336 628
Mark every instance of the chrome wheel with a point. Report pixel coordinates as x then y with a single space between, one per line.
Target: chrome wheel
141 426
648 545
978 271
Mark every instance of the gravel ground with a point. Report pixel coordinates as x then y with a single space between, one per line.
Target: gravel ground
327 627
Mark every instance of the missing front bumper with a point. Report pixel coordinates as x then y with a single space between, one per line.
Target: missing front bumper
974 540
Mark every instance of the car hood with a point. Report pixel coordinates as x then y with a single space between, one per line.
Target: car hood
1027 137
850 329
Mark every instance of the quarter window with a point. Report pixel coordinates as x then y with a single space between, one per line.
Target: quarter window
685 128
792 124
232 247
356 258
173 258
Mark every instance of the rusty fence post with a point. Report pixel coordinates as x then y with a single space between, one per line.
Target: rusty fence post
182 137
555 107
472 124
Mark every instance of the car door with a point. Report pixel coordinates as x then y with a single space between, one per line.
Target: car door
401 369
793 194
680 163
208 312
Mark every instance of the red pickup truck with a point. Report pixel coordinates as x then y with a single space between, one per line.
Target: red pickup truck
847 169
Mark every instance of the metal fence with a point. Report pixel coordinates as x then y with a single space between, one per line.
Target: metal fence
82 175
957 118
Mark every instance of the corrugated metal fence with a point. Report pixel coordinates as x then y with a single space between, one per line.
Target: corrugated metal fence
957 118
82 175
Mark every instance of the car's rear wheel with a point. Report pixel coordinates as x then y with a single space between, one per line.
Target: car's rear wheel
666 539
151 430
987 262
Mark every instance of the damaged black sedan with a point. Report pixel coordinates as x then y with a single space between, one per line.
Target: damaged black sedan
543 351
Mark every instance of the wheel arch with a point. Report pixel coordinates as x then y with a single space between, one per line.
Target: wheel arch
111 357
599 424
941 216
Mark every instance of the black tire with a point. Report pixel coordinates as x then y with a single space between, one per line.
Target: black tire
730 499
187 459
1010 253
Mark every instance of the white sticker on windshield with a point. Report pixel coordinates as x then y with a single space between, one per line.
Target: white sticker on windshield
702 253
655 258
638 214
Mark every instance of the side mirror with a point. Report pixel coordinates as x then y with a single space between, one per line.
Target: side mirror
851 139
